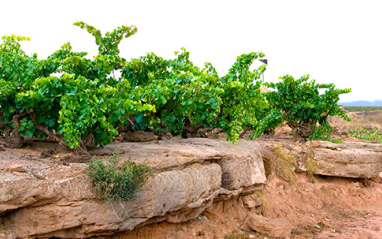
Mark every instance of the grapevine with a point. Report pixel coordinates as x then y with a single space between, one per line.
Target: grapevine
79 103
302 104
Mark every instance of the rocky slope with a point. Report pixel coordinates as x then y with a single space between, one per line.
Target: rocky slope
192 178
189 176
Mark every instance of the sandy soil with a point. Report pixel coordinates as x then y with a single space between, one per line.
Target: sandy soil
341 208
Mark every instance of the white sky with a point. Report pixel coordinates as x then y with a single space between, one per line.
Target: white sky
334 41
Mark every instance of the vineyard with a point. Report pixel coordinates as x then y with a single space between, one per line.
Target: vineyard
362 108
78 102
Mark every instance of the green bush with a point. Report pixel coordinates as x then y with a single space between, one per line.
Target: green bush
303 103
84 102
87 106
364 134
113 183
188 99
324 133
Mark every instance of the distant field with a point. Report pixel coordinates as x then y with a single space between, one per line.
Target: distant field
362 108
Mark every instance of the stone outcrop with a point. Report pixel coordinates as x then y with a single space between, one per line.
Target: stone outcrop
189 175
40 197
283 130
352 160
348 159
138 136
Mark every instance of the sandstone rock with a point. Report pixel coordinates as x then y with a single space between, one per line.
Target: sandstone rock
241 164
166 192
251 201
241 171
225 194
105 151
349 159
376 179
188 178
17 173
301 167
352 139
273 227
283 130
324 144
139 136
5 235
16 168
365 146
353 162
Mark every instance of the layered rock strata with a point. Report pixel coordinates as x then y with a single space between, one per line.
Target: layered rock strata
189 175
351 160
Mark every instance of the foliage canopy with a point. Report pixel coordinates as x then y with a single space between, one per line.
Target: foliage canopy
302 103
78 101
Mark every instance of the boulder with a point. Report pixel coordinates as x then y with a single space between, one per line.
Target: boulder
272 227
170 191
283 130
251 201
241 171
16 168
353 160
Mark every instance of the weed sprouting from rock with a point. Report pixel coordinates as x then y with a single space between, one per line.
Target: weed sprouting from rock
324 133
117 183
311 162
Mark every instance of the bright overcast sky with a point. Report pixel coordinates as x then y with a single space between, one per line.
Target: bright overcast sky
334 41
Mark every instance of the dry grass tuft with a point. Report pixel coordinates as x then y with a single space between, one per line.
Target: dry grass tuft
285 164
310 162
236 234
263 198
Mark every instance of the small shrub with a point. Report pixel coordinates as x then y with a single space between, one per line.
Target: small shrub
364 134
111 183
324 133
303 104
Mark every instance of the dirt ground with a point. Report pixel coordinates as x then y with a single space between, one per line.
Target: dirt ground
317 207
366 120
341 207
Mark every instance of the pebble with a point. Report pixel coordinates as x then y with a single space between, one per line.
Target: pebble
16 168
